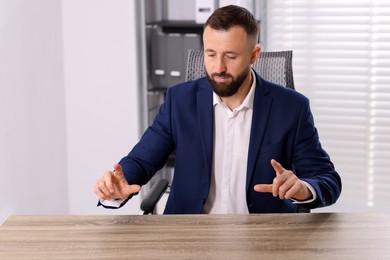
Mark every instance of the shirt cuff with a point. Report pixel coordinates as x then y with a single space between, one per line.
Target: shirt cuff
112 204
313 192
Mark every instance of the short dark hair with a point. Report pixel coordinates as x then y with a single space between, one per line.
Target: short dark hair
232 15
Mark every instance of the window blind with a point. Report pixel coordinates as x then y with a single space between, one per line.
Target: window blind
341 62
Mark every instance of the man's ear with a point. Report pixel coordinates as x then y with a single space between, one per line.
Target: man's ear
255 54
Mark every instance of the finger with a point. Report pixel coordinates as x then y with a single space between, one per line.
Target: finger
277 167
263 188
292 191
299 191
131 189
107 185
275 187
286 187
118 170
99 191
103 188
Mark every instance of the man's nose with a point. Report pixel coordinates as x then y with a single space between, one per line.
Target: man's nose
220 65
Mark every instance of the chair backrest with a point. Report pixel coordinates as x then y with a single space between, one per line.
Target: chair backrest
272 66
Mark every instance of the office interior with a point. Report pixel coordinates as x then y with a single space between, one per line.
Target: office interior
80 80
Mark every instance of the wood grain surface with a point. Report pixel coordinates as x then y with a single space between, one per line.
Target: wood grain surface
262 236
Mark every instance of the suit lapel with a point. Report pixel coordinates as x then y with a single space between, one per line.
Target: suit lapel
261 109
205 122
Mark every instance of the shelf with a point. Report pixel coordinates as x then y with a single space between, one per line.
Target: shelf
180 26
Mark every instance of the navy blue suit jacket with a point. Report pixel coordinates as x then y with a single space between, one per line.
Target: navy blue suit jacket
282 129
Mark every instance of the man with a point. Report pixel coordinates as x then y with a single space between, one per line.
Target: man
243 145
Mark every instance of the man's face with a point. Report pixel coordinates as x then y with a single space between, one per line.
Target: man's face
227 59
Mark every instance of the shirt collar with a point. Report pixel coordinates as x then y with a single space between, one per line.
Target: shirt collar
248 101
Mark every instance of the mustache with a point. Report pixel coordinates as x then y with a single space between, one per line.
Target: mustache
223 74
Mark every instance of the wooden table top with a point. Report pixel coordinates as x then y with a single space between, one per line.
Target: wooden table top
261 236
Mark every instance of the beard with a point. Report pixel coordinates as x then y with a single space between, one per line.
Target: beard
227 89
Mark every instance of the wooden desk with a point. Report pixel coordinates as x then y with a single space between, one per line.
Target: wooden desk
270 236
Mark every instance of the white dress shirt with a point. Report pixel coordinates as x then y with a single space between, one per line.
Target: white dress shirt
232 130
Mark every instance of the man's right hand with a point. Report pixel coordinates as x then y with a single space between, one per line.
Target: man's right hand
113 185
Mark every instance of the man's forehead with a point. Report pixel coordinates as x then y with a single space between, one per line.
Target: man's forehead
231 41
233 29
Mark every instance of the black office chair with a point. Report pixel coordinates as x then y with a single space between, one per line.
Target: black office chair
148 205
272 66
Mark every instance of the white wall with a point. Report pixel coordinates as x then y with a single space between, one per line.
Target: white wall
32 109
100 93
68 102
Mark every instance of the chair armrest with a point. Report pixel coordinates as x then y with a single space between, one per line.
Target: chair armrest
149 203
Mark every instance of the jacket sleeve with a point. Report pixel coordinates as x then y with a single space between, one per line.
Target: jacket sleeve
148 155
151 153
312 164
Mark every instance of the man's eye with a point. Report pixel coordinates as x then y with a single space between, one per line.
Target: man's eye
231 57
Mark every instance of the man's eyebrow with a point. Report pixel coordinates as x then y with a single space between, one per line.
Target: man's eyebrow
226 52
231 52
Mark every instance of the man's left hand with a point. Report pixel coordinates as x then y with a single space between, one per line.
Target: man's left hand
286 185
